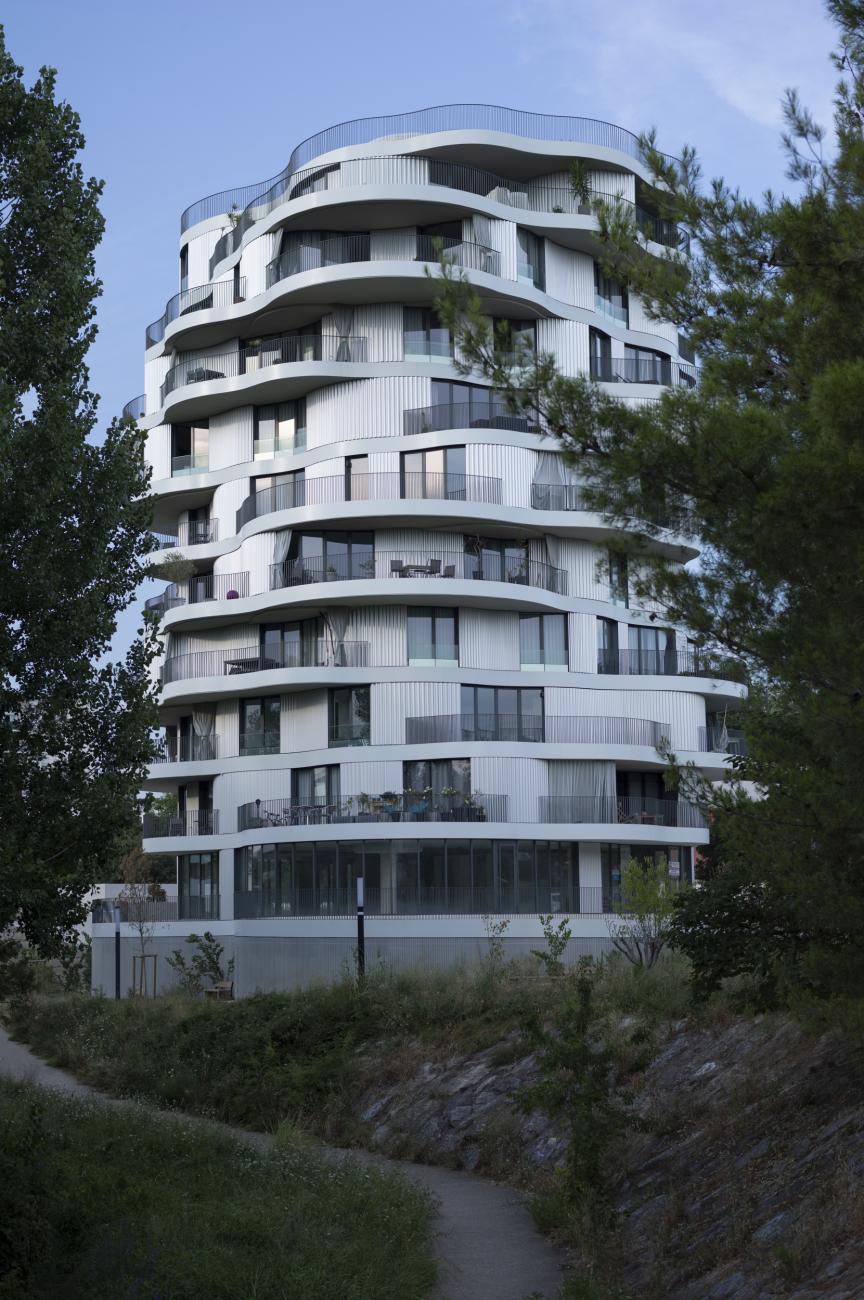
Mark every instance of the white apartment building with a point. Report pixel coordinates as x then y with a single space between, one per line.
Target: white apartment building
403 648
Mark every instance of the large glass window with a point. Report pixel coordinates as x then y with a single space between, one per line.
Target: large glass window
356 478
530 259
260 725
198 885
514 338
438 777
279 491
331 556
190 447
608 660
492 559
502 713
610 296
543 641
652 650
619 586
290 645
349 716
645 366
433 637
280 428
600 355
436 473
315 785
424 337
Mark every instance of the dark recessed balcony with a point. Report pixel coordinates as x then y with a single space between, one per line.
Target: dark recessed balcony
621 810
484 411
313 254
348 733
222 294
322 653
567 729
421 806
721 740
197 822
668 663
187 749
292 348
408 486
643 370
409 899
418 564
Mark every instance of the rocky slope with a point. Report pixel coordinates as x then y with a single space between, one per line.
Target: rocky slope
739 1171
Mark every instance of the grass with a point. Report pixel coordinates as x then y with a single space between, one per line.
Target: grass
107 1204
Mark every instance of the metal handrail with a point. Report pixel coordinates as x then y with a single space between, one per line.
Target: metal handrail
481 412
204 586
429 563
200 368
334 250
322 653
622 809
643 370
136 409
441 117
224 293
157 909
404 806
199 821
721 740
386 486
412 900
553 729
668 663
187 749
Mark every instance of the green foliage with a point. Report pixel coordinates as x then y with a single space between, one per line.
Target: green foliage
557 937
203 967
74 515
762 466
648 895
495 929
99 1203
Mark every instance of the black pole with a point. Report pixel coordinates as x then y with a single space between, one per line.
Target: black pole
361 933
117 953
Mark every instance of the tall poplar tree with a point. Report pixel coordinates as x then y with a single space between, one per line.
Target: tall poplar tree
762 464
73 534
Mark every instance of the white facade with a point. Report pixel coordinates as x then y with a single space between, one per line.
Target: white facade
400 655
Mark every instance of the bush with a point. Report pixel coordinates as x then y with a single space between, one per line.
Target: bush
98 1204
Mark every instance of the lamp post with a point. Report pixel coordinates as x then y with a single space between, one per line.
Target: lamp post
361 933
116 952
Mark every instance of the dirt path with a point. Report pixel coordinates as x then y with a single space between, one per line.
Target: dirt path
487 1247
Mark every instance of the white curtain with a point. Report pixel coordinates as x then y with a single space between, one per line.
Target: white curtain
548 481
482 228
336 622
579 777
555 554
343 323
203 731
281 545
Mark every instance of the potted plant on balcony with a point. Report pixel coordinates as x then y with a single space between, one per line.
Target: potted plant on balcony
390 802
447 795
418 802
364 803
581 186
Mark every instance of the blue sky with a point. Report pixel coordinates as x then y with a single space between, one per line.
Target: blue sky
180 100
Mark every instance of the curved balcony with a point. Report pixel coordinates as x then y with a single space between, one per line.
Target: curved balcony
722 740
432 563
561 730
667 663
203 587
551 127
340 250
622 810
402 806
643 370
187 749
322 653
223 294
257 356
196 532
137 408
484 410
395 486
197 822
414 899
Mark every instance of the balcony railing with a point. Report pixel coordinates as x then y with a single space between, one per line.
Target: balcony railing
187 749
721 740
471 257
258 356
137 408
334 250
663 663
154 909
404 900
568 730
485 411
321 653
395 486
348 733
621 810
222 294
266 814
643 370
417 564
254 743
194 533
197 822
198 464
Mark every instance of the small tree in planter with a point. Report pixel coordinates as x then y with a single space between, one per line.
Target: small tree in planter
642 927
581 185
140 891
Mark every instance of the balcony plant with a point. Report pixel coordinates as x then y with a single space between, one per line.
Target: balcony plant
581 185
173 568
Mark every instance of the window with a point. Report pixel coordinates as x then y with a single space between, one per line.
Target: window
280 428
502 713
184 268
349 716
433 637
437 474
290 645
423 335
303 344
331 557
306 250
315 785
492 560
513 338
198 526
260 725
437 777
607 646
543 641
190 447
530 259
600 355
645 366
652 650
198 885
463 406
356 478
610 296
437 238
619 590
279 491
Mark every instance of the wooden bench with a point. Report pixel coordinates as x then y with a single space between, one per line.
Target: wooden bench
222 991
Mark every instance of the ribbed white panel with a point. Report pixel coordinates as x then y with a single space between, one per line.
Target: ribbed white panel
227 500
255 556
568 340
580 560
384 462
505 234
370 778
583 643
393 702
590 874
381 325
612 183
523 780
233 635
488 639
639 320
228 727
384 629
158 450
304 721
231 437
380 171
560 272
253 265
584 270
417 539
155 370
331 468
200 247
364 408
400 244
514 466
